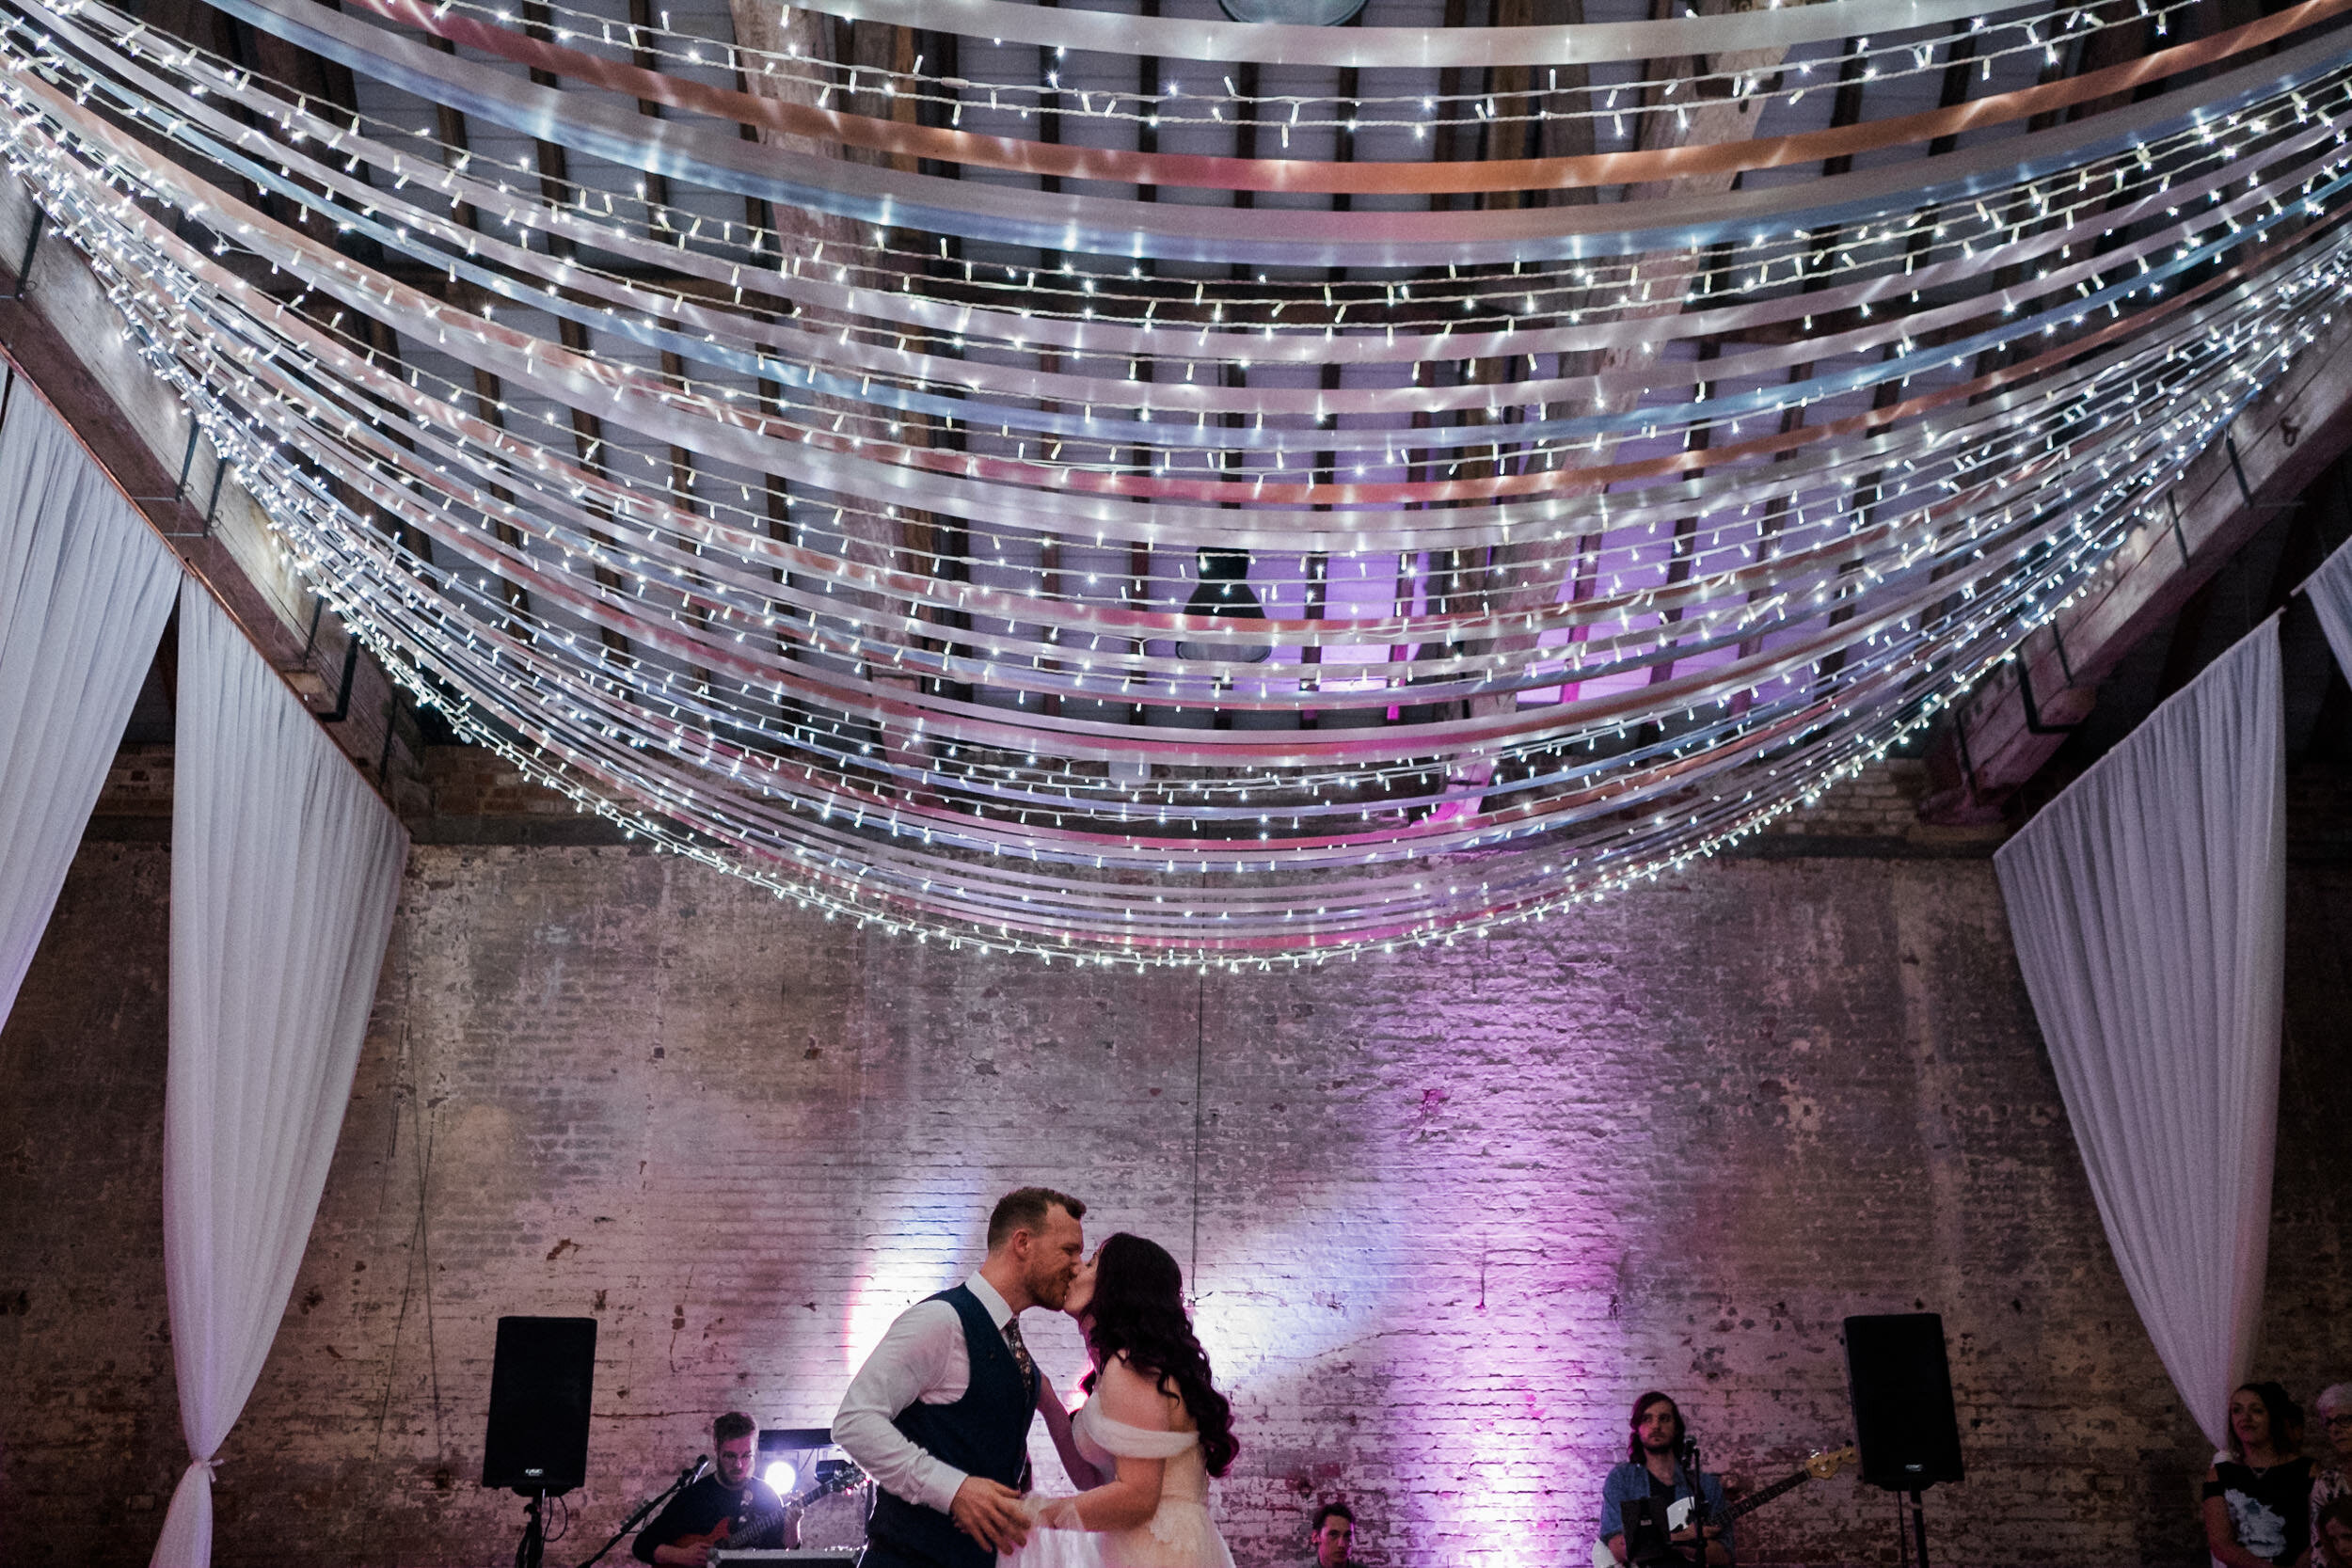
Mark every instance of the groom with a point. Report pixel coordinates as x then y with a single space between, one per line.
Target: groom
939 1414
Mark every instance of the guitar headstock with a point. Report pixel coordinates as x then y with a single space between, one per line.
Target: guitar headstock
1824 1465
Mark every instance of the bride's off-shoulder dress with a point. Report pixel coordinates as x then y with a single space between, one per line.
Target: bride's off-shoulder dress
1179 1534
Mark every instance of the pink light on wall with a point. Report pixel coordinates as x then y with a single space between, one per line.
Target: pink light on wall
912 1245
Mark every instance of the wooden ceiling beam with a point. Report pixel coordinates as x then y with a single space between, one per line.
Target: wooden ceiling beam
62 337
2018 718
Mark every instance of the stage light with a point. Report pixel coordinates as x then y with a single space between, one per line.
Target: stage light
788 1455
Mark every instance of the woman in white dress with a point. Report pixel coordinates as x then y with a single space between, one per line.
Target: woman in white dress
1153 1431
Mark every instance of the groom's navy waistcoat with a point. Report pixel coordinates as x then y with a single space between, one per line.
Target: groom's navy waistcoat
984 1433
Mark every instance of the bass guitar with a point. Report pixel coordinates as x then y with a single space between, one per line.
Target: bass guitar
1821 1466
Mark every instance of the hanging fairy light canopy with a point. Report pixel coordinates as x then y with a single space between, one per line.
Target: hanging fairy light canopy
1154 488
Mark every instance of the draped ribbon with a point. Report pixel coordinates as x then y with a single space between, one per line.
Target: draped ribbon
591 382
1366 178
655 651
1605 612
1061 222
1098 392
1206 344
1422 48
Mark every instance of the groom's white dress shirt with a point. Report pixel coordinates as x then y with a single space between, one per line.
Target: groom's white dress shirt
922 1358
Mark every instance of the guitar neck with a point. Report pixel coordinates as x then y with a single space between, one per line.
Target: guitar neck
1757 1499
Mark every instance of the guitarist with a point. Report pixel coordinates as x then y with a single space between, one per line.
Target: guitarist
1654 1468
682 1534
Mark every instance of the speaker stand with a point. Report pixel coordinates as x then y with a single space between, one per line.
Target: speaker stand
1919 1529
533 1546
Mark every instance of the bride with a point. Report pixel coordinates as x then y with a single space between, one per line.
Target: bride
1146 1443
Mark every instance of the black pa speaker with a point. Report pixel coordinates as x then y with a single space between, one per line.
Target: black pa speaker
1901 1383
538 1436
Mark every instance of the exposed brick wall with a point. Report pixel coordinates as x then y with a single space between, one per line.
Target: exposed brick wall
138 782
1881 806
472 780
1454 1209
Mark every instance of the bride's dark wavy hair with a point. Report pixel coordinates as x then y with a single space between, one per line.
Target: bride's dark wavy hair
1138 1312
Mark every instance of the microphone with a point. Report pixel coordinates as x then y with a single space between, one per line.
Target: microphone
694 1472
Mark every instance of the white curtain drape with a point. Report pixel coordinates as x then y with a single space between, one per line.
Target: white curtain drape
2148 905
2330 589
85 590
284 870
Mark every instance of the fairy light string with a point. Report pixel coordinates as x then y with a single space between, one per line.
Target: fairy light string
870 583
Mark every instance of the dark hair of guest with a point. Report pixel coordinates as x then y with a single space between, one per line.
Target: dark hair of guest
2286 1417
1138 1312
1333 1511
1633 1448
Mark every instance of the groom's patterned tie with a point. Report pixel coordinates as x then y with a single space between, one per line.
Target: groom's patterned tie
1020 1351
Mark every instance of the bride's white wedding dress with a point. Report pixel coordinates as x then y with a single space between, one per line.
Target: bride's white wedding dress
1179 1534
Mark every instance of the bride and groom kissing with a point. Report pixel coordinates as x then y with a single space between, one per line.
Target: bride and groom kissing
939 1414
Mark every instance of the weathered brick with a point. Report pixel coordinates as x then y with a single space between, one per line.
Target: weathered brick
1453 1209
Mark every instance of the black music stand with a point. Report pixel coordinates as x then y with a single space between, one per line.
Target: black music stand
1648 1542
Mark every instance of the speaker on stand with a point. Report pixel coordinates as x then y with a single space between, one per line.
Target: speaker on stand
537 1441
1905 1423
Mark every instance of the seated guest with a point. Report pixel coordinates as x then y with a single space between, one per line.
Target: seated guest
2335 1532
2334 1406
1653 1469
749 1509
1333 1533
2258 1502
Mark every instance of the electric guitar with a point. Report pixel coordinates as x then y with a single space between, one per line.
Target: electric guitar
1819 1467
756 1524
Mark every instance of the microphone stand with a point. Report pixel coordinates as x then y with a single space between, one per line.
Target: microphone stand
1702 1512
686 1477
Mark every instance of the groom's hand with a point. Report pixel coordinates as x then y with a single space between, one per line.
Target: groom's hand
990 1515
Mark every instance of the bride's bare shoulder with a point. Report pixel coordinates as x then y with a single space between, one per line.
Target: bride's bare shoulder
1137 1398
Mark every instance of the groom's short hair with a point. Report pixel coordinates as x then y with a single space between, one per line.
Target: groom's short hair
1026 1210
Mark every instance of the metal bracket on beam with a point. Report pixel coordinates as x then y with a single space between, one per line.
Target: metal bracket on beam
311 638
212 501
2033 709
384 758
1967 764
187 459
351 667
32 246
187 465
220 471
2229 443
212 506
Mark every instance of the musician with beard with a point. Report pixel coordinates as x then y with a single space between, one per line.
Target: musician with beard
1654 1469
682 1535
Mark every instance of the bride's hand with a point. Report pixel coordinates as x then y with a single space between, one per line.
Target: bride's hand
1053 1512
